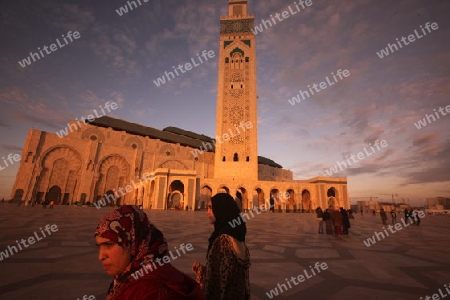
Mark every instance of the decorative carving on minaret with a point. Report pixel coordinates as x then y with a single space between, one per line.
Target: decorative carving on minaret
237 26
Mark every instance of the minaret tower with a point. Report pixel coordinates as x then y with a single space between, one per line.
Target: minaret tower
236 116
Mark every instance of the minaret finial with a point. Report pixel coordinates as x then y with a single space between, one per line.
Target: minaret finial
237 8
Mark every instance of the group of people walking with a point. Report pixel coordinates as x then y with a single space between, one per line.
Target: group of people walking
409 214
129 242
413 215
336 220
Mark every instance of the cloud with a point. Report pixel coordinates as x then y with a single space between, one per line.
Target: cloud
436 159
35 119
11 148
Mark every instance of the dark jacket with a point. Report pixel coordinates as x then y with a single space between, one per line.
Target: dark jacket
163 283
319 212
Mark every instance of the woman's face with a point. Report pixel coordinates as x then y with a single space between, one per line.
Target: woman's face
114 257
210 214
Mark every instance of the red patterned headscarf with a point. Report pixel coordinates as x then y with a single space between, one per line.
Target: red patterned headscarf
129 227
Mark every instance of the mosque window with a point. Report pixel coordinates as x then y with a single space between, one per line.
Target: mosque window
237 10
237 59
227 60
236 157
134 146
247 59
224 159
93 138
167 153
248 158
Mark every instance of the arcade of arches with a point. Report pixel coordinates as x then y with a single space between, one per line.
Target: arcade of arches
146 172
282 199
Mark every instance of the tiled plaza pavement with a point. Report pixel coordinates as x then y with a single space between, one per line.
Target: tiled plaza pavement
408 264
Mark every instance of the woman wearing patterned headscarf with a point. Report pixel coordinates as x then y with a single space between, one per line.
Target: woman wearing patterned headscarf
129 247
226 274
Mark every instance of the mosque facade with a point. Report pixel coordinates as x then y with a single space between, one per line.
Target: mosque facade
110 161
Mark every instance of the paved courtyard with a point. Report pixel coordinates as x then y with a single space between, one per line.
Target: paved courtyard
408 264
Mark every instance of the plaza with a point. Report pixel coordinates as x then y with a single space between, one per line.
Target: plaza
411 264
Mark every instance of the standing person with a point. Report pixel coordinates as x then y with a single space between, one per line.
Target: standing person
394 217
336 215
319 214
345 221
412 216
383 216
129 247
416 217
328 221
51 204
226 274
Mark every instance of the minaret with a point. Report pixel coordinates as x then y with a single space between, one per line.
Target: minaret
236 153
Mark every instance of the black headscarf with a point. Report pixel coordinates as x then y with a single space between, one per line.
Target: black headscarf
226 211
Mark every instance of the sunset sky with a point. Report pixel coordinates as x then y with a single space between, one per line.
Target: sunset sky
117 58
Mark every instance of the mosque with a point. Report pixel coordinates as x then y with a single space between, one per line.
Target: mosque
111 161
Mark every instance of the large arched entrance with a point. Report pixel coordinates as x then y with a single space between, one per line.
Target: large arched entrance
175 198
54 193
306 200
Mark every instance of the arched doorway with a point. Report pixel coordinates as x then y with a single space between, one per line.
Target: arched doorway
54 193
18 195
175 198
139 196
110 198
223 189
241 198
257 199
205 197
333 199
306 200
290 202
275 200
83 198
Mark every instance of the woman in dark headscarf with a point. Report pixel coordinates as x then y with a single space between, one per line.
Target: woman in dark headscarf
226 274
129 247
